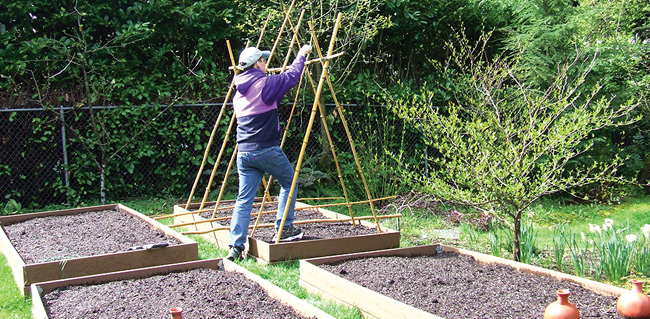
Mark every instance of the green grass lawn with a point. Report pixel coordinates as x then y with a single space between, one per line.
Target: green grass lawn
417 228
12 304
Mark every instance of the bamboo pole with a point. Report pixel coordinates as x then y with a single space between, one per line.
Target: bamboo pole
354 152
212 134
323 120
213 219
309 127
216 124
312 61
225 180
254 205
298 222
329 138
349 135
277 39
286 130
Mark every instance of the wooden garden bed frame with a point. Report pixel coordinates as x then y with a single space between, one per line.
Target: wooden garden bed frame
26 274
376 305
268 253
299 305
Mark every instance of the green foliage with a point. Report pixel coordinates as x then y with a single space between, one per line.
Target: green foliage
548 32
503 143
175 136
615 253
79 53
642 255
12 207
559 246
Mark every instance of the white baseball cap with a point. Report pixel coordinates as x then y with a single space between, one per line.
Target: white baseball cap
250 55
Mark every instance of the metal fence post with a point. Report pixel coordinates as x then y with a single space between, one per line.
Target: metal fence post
66 173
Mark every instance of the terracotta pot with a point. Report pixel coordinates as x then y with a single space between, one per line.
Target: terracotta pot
176 313
634 304
562 308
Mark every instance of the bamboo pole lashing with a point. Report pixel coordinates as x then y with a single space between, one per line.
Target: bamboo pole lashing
309 127
312 61
297 222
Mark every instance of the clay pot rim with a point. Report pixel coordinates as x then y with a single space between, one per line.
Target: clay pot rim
563 292
176 310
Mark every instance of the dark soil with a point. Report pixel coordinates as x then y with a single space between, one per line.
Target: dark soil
201 293
456 286
80 235
312 230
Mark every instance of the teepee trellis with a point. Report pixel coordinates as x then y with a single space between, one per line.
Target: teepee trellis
316 107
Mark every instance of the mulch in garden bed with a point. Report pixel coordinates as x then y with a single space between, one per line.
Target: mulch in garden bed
201 293
453 285
92 233
312 230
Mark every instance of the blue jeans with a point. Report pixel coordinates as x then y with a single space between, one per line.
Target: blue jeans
251 166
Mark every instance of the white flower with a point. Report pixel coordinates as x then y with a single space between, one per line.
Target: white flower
582 235
606 226
631 238
594 228
645 229
609 221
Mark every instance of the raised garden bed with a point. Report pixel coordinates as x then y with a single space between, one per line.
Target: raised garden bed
321 239
85 241
438 281
213 288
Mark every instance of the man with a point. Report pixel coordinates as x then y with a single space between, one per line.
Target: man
258 136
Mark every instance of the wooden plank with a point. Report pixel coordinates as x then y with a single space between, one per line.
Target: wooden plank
90 265
278 293
11 219
322 247
155 224
371 303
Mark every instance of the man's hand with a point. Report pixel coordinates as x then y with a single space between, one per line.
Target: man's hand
306 49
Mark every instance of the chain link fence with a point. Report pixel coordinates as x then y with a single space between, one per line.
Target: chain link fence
67 155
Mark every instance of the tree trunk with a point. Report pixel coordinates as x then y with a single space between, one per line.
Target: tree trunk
516 247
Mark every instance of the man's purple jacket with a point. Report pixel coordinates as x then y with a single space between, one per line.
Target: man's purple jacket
256 105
